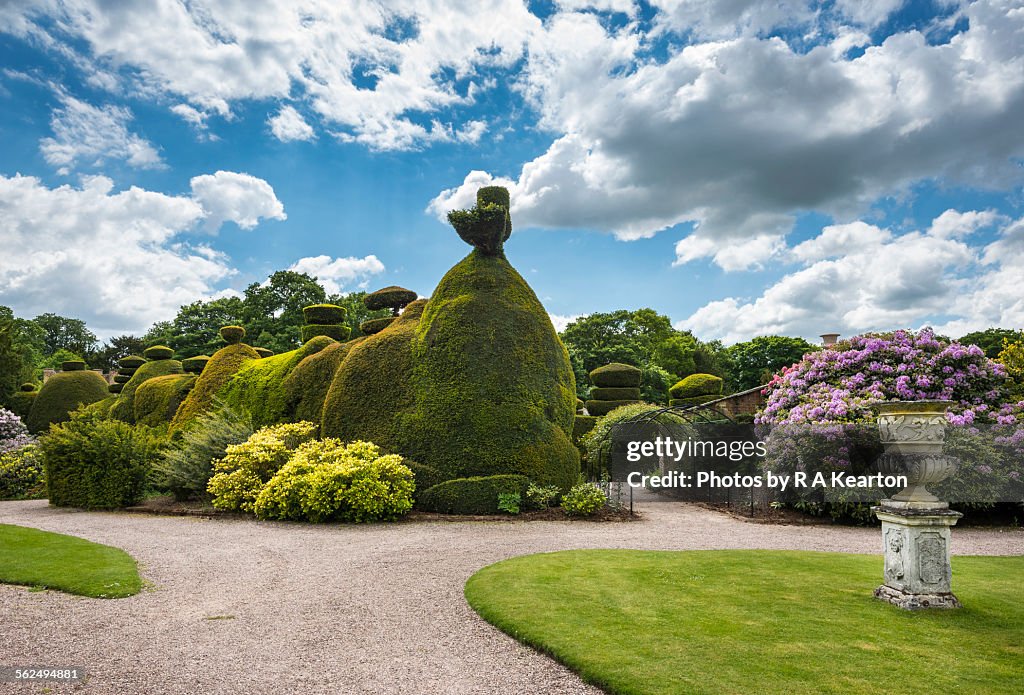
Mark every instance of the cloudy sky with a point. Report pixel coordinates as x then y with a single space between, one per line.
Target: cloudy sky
746 167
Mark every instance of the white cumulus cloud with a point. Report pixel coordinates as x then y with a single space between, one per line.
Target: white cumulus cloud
287 125
229 196
337 274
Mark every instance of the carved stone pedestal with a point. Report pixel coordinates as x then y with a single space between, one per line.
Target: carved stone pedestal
917 568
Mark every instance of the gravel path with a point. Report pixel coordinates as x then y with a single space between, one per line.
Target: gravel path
258 607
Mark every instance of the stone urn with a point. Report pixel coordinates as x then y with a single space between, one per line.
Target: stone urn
913 433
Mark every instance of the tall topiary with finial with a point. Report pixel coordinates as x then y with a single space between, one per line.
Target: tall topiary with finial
325 319
394 298
487 226
218 371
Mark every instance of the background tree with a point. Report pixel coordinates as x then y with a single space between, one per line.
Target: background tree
752 363
106 357
62 333
272 311
21 346
195 329
991 339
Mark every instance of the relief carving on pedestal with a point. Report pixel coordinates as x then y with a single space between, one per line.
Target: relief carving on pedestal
931 553
894 554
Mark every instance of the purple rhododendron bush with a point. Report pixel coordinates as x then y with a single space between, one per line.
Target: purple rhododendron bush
819 417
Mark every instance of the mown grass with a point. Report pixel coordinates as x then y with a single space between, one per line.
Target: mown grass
74 565
643 622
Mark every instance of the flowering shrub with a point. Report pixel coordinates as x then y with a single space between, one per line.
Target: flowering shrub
584 499
246 467
21 474
13 433
818 414
329 480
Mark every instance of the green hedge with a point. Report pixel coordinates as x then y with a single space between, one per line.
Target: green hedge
124 409
123 378
691 401
97 464
697 385
195 365
305 389
158 352
131 362
221 367
61 394
582 425
393 298
374 326
426 476
72 366
599 408
615 375
158 399
615 393
324 314
102 408
478 495
258 387
339 332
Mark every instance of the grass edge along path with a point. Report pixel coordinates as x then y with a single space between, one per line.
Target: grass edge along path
737 621
36 558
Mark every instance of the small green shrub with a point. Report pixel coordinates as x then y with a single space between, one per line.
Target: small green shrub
691 401
373 326
339 332
393 298
617 393
600 408
158 352
232 335
477 495
324 314
585 499
63 393
697 385
185 468
329 480
509 502
97 464
245 468
22 476
542 497
616 375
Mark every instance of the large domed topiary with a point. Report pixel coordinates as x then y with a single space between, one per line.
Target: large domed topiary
258 387
158 399
307 386
218 371
21 400
479 384
124 409
61 394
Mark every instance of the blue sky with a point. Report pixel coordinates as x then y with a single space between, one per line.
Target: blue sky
745 167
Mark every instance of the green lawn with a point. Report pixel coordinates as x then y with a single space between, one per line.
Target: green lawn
756 622
55 561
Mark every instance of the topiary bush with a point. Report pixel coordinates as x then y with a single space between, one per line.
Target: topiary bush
581 425
476 495
22 476
232 335
124 408
123 378
339 332
331 481
61 395
264 353
116 388
258 386
97 464
619 393
600 408
585 499
245 468
374 326
697 385
219 370
72 365
157 399
306 387
131 362
393 298
195 365
324 314
616 375
488 225
21 401
186 465
158 352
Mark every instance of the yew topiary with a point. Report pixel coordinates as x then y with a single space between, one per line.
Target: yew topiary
374 326
124 409
615 393
123 378
232 335
339 332
692 401
697 385
195 365
324 314
487 226
221 367
393 298
306 387
116 387
157 399
72 366
264 352
616 375
158 352
63 393
131 362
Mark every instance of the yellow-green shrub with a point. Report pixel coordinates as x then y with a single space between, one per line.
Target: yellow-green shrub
245 468
329 480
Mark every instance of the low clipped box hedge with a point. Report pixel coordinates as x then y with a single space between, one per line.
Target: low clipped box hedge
478 495
337 331
324 314
374 326
95 463
697 385
691 401
616 375
615 393
599 408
